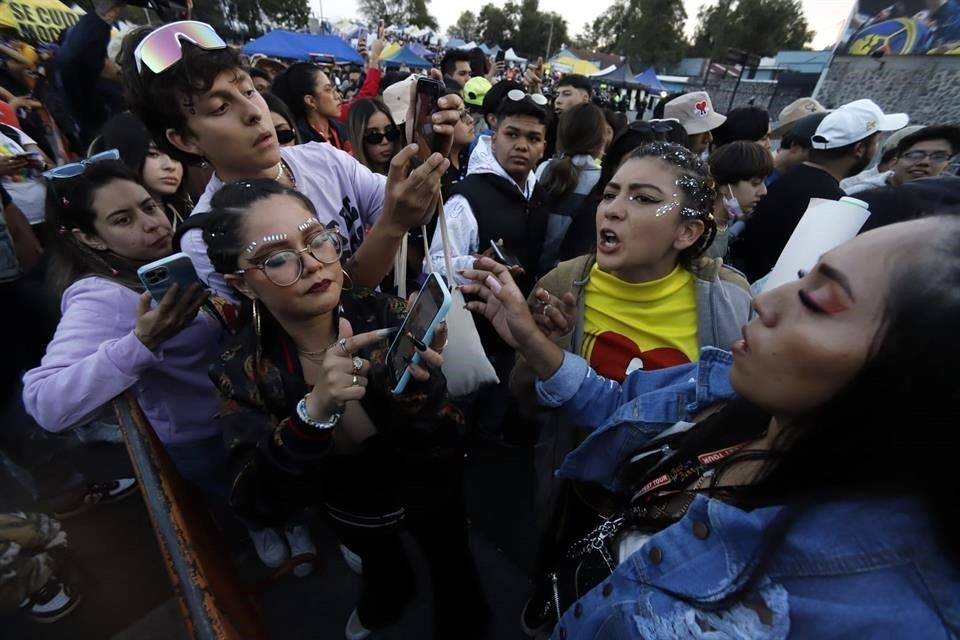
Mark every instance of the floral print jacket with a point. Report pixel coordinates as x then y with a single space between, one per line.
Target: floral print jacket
278 465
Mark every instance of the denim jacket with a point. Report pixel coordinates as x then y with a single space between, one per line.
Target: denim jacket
859 569
624 417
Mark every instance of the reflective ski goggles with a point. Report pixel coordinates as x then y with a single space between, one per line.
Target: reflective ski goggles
517 95
161 49
75 169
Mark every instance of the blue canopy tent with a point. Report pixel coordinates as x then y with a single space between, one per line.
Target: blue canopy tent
405 57
454 43
420 50
300 46
649 80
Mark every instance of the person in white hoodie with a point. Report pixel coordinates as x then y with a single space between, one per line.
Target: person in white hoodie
500 199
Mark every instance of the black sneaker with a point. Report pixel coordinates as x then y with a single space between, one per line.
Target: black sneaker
99 493
54 601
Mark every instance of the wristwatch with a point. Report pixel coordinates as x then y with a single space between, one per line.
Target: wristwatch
321 425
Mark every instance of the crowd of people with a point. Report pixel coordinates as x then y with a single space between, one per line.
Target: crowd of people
713 458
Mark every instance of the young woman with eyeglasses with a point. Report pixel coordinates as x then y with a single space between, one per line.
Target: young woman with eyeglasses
374 136
310 419
112 337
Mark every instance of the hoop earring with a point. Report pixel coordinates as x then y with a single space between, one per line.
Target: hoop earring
346 276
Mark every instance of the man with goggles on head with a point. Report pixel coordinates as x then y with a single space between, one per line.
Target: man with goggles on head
196 97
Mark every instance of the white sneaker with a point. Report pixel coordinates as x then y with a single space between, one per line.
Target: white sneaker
55 600
298 537
270 547
355 630
354 561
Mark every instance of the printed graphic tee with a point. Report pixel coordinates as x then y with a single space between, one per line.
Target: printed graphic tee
650 325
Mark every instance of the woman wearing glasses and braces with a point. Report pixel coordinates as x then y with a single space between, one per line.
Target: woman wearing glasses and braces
111 337
310 420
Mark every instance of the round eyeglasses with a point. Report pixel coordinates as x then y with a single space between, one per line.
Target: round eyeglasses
283 268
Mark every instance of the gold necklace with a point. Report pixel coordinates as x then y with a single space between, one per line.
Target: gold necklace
314 355
279 171
284 169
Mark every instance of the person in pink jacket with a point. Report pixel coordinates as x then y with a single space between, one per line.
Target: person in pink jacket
112 337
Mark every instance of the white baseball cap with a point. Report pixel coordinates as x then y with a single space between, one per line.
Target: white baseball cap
695 112
397 99
854 122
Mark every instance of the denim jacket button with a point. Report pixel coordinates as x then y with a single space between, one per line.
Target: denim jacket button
701 530
578 610
656 556
607 589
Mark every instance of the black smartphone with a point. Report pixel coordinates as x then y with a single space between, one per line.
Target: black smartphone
428 93
504 257
501 55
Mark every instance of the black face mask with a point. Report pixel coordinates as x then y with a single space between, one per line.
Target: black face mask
286 136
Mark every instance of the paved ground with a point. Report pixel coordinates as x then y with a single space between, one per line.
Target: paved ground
127 591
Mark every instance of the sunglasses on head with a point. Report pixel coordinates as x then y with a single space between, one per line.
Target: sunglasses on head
517 95
286 136
162 49
75 169
392 134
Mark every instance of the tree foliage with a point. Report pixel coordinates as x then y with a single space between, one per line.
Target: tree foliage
241 19
646 32
524 27
467 27
760 27
413 12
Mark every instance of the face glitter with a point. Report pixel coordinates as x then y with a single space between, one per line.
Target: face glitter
273 237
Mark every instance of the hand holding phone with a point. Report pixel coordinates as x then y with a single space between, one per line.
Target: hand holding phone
417 331
504 257
176 310
160 275
427 96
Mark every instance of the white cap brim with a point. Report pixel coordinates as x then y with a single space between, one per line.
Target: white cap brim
708 123
894 122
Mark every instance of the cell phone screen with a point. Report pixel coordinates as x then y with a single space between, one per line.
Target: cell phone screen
418 320
428 92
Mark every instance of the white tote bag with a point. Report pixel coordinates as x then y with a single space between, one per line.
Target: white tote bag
465 363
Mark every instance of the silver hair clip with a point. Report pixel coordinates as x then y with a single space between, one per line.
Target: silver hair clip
307 224
273 237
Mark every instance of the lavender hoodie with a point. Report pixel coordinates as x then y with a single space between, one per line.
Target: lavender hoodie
95 357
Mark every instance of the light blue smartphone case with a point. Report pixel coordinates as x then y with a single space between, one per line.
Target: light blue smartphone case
433 285
160 275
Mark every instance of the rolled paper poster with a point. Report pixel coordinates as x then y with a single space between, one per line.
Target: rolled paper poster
825 224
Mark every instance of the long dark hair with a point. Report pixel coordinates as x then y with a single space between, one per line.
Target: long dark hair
69 206
580 132
126 133
360 112
892 430
295 82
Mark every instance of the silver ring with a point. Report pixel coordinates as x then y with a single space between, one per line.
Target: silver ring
545 307
342 343
354 383
357 364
